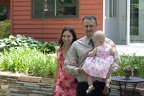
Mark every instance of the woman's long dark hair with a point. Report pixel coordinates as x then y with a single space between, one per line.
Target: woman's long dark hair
71 30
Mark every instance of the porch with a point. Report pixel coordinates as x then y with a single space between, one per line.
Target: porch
137 49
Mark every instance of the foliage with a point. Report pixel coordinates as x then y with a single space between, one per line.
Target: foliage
4 29
136 62
27 55
19 40
28 61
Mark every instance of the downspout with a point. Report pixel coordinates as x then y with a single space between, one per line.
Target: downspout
104 17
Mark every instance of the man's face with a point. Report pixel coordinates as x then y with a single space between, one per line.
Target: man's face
89 27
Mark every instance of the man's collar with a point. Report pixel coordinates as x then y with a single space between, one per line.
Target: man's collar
87 39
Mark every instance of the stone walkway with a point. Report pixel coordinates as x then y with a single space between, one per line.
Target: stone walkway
115 91
15 85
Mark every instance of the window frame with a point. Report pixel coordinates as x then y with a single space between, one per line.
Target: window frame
55 16
6 13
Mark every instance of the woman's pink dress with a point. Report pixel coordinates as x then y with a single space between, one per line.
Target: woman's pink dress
99 65
66 85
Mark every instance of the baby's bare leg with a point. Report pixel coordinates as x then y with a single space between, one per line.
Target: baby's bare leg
107 81
107 85
90 81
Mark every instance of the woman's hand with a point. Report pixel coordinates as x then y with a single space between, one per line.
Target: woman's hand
73 63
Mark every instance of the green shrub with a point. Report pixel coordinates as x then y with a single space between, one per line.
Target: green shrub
19 40
4 29
28 61
136 62
27 55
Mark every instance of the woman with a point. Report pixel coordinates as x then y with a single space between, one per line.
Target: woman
64 83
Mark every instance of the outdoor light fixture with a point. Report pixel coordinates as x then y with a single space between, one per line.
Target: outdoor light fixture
45 6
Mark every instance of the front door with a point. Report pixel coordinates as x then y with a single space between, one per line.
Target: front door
115 20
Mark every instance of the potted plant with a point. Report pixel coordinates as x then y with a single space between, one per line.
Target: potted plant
128 71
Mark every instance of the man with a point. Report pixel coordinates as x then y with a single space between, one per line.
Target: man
79 51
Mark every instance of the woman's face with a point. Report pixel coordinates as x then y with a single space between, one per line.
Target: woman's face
67 38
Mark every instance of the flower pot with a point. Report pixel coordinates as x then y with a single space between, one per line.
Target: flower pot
127 74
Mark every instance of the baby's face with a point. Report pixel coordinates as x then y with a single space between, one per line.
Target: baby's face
97 42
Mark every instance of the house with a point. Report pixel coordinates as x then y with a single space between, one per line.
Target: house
121 20
29 18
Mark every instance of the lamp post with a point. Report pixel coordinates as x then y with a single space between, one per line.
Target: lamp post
45 9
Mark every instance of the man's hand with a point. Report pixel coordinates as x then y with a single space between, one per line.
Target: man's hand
113 45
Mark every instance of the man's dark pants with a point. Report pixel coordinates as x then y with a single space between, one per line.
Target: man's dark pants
83 86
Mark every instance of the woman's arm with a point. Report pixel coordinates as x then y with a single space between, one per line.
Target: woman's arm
73 63
56 72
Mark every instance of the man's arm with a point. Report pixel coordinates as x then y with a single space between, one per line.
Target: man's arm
71 55
117 62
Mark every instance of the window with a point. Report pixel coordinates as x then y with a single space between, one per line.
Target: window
112 8
55 8
3 13
136 21
134 17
